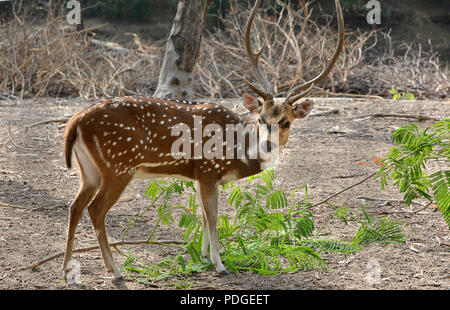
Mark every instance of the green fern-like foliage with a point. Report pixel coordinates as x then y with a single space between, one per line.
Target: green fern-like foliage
270 233
274 233
382 230
332 245
407 161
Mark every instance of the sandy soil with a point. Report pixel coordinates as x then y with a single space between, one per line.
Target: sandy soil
327 152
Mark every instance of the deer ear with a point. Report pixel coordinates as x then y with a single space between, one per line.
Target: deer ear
302 109
252 103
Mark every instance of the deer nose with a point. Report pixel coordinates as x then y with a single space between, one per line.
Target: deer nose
268 146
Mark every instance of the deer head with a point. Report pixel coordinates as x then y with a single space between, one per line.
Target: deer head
283 114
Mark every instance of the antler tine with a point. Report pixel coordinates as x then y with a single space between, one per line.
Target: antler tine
292 99
254 57
328 63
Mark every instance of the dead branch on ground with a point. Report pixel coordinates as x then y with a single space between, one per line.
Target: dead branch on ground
86 249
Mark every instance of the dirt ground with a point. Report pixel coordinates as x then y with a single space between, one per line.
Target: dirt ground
327 152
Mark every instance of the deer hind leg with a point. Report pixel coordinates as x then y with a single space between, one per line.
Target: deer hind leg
110 190
208 201
89 184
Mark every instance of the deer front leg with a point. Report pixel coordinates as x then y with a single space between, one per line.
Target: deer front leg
208 201
205 240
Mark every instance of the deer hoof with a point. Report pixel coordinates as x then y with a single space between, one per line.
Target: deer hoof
224 273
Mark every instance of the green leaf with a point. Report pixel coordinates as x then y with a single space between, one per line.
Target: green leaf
298 188
306 258
341 213
192 203
409 96
164 214
277 200
262 190
304 226
235 198
191 222
441 192
225 228
406 163
153 190
181 262
332 245
381 230
194 253
267 176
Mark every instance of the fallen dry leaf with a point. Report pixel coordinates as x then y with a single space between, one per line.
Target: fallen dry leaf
378 161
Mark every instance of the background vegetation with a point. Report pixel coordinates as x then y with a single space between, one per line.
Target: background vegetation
41 55
145 10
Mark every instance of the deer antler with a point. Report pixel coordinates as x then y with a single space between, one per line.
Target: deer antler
300 91
255 57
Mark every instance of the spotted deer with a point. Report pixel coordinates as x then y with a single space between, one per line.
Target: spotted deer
123 138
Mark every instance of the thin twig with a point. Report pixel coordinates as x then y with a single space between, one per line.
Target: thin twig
394 200
417 117
348 176
5 205
332 111
351 95
346 189
114 244
379 199
57 120
421 209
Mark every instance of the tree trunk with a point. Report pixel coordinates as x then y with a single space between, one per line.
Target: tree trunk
183 45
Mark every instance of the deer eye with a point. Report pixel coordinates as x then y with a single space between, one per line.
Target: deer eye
284 123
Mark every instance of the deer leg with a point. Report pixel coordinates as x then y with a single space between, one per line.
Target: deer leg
205 239
89 184
98 209
208 201
77 207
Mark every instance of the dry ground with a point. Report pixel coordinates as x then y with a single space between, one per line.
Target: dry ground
327 152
